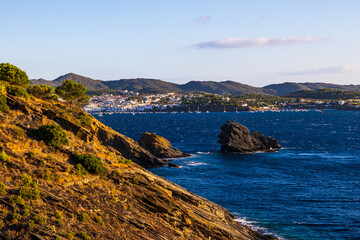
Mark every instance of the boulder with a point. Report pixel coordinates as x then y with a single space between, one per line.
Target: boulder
235 137
159 146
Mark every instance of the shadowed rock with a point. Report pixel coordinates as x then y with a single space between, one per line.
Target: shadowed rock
235 137
159 146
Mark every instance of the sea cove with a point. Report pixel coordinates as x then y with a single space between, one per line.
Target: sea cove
307 190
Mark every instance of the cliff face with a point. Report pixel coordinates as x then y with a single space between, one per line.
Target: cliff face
44 194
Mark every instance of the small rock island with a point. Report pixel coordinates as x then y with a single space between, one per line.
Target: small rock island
159 146
235 137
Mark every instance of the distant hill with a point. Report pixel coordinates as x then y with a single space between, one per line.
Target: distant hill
140 84
145 85
332 94
226 87
89 83
290 87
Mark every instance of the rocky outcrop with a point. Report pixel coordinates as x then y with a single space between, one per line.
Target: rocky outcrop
159 146
235 137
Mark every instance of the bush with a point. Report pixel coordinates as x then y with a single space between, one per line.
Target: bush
99 220
40 219
13 75
53 135
41 91
80 170
68 235
84 236
84 217
124 161
17 91
84 120
16 199
30 193
91 163
3 157
27 181
3 103
2 188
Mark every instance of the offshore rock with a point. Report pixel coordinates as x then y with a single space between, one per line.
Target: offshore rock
159 146
235 137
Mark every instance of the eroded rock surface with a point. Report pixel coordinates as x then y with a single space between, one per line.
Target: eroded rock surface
235 137
159 146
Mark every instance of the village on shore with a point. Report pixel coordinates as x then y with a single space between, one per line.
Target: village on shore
130 102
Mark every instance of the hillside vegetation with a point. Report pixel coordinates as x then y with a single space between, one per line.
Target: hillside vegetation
65 175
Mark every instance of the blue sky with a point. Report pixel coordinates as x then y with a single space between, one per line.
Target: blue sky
257 42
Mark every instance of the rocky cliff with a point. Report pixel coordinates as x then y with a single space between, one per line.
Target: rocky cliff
160 146
235 137
46 194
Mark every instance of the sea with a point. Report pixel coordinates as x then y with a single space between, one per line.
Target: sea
310 189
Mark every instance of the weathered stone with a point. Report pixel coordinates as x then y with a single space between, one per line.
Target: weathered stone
159 146
235 137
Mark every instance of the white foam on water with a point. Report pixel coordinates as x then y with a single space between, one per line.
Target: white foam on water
193 163
253 225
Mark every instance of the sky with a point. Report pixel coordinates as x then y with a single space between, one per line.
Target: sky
255 42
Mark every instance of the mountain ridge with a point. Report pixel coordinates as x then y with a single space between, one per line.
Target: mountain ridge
148 85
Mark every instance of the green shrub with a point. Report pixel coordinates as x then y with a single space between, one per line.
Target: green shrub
16 199
16 216
99 220
58 214
30 224
53 135
40 219
84 236
41 91
83 217
124 160
30 193
3 103
17 91
80 170
2 188
27 181
68 235
13 75
84 120
91 163
3 157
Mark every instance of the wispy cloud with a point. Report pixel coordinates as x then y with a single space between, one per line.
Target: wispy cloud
256 42
326 70
202 20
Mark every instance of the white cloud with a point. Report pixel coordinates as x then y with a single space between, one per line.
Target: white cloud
256 42
325 70
202 20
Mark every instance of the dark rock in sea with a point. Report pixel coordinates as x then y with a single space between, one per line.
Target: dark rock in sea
235 137
159 146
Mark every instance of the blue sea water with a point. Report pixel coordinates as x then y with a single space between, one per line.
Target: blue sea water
308 190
